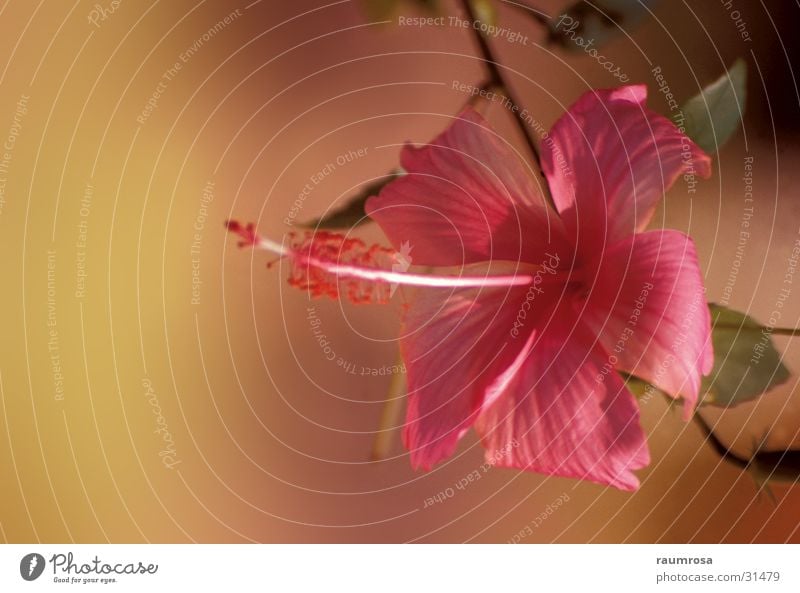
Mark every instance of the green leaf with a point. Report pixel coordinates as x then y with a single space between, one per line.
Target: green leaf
639 387
644 391
584 25
746 363
712 116
352 213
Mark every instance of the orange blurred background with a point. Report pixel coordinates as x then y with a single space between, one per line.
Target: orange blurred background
158 385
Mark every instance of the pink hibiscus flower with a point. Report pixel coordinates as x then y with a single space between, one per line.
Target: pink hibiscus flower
534 367
526 316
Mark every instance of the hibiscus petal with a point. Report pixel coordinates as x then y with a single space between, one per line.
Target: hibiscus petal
609 160
456 347
559 415
466 198
648 305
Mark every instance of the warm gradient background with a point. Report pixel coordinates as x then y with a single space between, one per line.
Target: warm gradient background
272 440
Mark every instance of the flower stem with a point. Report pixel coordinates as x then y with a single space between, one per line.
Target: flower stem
785 331
390 415
496 79
720 449
776 331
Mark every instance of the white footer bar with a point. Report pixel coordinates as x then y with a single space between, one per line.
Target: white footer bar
390 568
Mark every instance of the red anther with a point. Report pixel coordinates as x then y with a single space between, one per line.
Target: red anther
335 249
247 233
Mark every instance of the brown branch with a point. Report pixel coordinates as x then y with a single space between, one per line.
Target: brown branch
496 79
776 331
717 445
